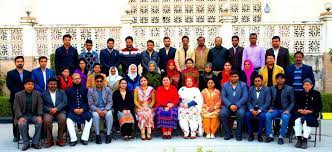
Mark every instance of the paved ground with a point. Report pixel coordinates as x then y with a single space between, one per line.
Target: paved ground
178 144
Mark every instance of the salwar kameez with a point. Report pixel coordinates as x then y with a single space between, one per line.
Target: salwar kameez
144 101
210 110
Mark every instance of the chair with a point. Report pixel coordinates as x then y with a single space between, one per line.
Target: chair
233 117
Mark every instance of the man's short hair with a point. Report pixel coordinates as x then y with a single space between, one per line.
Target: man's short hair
298 52
19 57
235 37
99 77
253 34
66 35
258 76
150 41
276 37
129 38
42 57
235 72
110 39
185 37
28 80
280 75
166 37
52 80
88 41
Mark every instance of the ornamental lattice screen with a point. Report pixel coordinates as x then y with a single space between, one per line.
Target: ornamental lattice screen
11 41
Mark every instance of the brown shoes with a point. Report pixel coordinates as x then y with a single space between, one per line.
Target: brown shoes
61 143
25 147
49 143
36 146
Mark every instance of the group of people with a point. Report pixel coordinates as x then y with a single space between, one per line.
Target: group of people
200 89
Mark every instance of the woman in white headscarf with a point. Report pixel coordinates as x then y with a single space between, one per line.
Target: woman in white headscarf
132 77
113 79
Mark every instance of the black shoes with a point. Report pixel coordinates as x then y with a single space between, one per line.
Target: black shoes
16 139
259 138
228 137
238 138
25 147
269 139
108 139
72 144
83 142
304 143
251 137
98 139
299 142
280 141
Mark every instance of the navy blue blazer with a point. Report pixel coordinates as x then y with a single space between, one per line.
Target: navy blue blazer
60 101
37 76
263 101
287 97
14 83
237 96
306 73
165 57
107 60
63 59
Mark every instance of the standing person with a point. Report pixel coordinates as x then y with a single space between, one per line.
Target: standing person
166 108
144 99
82 70
173 73
165 54
109 57
78 111
201 54
269 71
28 107
89 55
282 104
184 53
298 72
100 103
258 102
281 53
65 56
153 75
15 83
218 55
248 74
225 74
234 96
308 106
207 75
211 108
124 109
54 105
129 55
90 83
254 52
113 79
65 80
41 75
235 54
189 109
149 55
132 78
190 71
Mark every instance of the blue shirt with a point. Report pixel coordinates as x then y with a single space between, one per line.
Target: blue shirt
21 76
297 83
100 100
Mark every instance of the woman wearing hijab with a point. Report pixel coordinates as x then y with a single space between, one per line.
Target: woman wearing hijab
173 73
248 74
132 78
166 108
207 75
211 109
113 79
190 108
153 75
144 99
225 74
190 71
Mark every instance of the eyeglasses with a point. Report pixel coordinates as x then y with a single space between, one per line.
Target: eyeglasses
99 81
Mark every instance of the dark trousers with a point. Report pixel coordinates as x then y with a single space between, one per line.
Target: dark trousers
127 129
48 120
24 130
15 127
240 115
261 123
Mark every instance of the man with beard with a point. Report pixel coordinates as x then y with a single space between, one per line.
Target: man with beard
218 56
183 53
65 56
201 54
166 53
109 57
129 55
149 55
14 82
281 53
235 54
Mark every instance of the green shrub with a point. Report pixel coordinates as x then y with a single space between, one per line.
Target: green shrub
291 58
4 107
52 58
327 102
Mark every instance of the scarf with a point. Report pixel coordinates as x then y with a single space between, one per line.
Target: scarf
132 76
111 79
248 72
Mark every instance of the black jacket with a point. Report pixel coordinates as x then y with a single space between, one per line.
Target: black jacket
283 56
14 83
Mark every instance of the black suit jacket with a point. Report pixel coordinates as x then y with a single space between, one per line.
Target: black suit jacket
236 58
165 57
14 83
60 101
283 56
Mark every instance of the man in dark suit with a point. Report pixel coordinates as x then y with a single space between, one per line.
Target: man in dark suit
55 102
28 107
109 57
15 83
258 102
166 53
281 54
66 56
282 104
235 54
41 75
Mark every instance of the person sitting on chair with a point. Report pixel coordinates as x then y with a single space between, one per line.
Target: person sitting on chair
308 106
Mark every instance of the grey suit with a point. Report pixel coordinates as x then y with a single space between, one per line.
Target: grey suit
93 98
21 111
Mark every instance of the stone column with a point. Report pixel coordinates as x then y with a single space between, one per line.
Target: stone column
126 27
29 40
227 30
